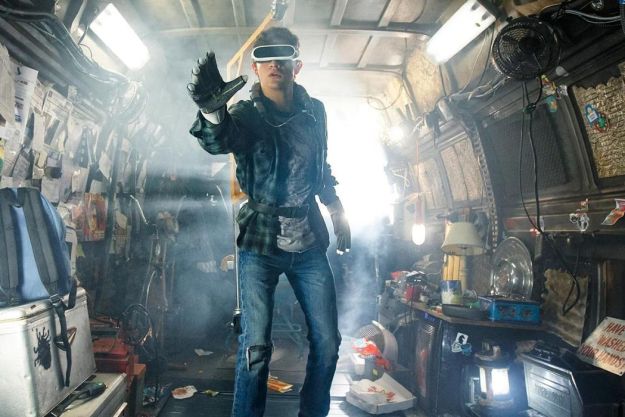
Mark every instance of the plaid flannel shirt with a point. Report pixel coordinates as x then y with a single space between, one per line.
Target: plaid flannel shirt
250 134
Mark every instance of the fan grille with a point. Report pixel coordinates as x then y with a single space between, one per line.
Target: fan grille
525 49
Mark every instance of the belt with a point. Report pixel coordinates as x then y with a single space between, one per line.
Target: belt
292 212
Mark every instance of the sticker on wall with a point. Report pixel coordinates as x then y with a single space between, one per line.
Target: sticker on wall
461 344
616 213
596 119
550 92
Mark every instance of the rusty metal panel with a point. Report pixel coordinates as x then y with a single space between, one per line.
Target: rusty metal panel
470 169
431 184
454 174
607 147
569 327
463 171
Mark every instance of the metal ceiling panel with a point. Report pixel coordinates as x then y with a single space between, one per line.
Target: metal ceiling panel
311 48
312 11
388 51
162 14
410 11
435 8
365 10
255 10
215 12
348 49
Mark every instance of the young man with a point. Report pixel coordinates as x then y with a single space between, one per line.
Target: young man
279 141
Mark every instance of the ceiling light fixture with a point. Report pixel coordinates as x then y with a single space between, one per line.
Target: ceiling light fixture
471 19
111 27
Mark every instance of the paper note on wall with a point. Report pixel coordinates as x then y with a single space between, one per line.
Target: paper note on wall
7 88
25 83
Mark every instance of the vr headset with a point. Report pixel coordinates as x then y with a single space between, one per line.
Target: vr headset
266 53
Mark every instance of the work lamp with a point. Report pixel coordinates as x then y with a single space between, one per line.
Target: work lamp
495 396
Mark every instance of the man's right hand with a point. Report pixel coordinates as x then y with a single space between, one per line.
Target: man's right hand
208 89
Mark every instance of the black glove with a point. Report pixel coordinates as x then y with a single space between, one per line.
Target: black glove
341 227
208 89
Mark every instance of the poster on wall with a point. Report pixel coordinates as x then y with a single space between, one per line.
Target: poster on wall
91 217
605 347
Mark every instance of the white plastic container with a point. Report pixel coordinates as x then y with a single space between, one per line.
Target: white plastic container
33 368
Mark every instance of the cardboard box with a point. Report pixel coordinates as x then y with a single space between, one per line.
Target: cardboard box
384 395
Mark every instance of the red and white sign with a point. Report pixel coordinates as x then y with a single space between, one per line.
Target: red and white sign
605 347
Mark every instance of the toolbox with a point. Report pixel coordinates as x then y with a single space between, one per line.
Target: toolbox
113 355
33 368
506 309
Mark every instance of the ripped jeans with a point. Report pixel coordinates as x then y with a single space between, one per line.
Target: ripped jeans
312 281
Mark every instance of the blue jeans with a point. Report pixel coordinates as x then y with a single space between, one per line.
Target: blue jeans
313 284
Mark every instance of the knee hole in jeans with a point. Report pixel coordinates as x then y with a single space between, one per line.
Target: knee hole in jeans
258 355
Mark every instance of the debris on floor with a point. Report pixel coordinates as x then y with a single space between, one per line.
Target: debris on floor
202 352
181 393
385 395
275 384
210 392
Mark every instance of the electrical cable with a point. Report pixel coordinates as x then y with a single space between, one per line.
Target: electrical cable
522 142
50 26
529 107
477 56
533 146
574 285
593 16
600 23
402 87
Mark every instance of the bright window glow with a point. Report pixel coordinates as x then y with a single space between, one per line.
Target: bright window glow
357 158
111 27
466 24
501 386
418 234
396 134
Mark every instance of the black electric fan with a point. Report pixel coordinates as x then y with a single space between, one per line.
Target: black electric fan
526 48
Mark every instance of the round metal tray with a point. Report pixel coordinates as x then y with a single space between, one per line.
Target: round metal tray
511 272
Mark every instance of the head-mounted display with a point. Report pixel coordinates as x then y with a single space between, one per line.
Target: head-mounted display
274 52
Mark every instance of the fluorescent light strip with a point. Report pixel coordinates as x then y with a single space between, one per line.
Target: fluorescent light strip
463 26
111 27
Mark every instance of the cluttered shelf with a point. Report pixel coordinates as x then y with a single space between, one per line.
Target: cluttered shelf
436 311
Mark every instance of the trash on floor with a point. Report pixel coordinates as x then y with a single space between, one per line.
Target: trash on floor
202 352
181 393
210 392
275 384
385 395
